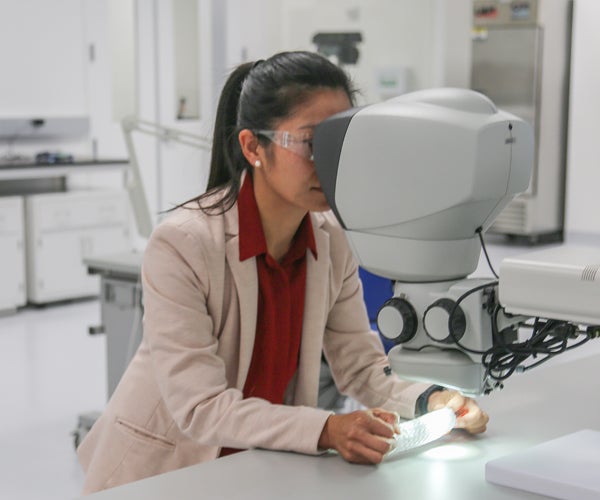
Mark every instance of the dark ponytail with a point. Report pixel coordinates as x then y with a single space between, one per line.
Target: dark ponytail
227 161
257 96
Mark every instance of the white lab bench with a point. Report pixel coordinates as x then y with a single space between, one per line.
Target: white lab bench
120 309
534 407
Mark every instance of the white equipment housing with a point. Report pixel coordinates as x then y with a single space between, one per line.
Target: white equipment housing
561 283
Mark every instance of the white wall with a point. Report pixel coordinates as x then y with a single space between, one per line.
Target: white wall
42 54
398 37
583 172
452 31
254 30
43 61
429 40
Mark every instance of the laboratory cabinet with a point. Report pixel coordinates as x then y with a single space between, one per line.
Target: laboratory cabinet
12 254
63 229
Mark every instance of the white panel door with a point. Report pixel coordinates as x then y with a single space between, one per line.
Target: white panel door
58 270
12 253
12 272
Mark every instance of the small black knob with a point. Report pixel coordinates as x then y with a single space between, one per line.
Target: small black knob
435 321
397 320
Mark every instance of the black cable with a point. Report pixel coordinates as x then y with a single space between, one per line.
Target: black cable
548 339
455 308
487 257
502 360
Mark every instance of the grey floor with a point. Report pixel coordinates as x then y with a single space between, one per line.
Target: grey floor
51 371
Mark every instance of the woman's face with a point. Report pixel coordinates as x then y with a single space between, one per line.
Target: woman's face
286 175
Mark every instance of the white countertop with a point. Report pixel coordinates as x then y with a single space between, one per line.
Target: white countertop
534 407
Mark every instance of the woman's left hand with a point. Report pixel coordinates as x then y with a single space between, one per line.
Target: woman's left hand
468 414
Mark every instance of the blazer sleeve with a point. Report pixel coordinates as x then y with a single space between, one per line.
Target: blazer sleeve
179 273
355 353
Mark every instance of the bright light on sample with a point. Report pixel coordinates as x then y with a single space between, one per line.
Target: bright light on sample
423 430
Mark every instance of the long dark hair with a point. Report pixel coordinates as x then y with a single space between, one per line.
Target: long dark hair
255 96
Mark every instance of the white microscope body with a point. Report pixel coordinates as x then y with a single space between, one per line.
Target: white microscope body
414 181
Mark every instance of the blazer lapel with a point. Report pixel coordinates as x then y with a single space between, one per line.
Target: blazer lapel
246 282
316 306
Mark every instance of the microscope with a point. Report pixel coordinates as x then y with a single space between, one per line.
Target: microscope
415 182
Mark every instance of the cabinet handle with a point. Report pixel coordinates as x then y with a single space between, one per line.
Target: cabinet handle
96 330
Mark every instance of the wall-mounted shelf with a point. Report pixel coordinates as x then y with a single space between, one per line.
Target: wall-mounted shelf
28 169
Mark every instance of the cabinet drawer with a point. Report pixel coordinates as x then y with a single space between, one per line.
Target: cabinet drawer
60 211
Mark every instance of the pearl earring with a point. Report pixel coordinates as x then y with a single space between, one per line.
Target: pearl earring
257 163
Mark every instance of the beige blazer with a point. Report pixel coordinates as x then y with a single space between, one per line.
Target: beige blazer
180 400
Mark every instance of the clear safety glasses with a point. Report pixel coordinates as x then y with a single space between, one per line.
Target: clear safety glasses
300 143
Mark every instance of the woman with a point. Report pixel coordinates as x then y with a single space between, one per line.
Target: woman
244 288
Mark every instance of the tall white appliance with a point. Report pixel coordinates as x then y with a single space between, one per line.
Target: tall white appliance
521 60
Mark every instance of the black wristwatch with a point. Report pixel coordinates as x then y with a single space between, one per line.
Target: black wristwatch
423 399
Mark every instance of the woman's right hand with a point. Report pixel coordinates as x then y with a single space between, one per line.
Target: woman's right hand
362 437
